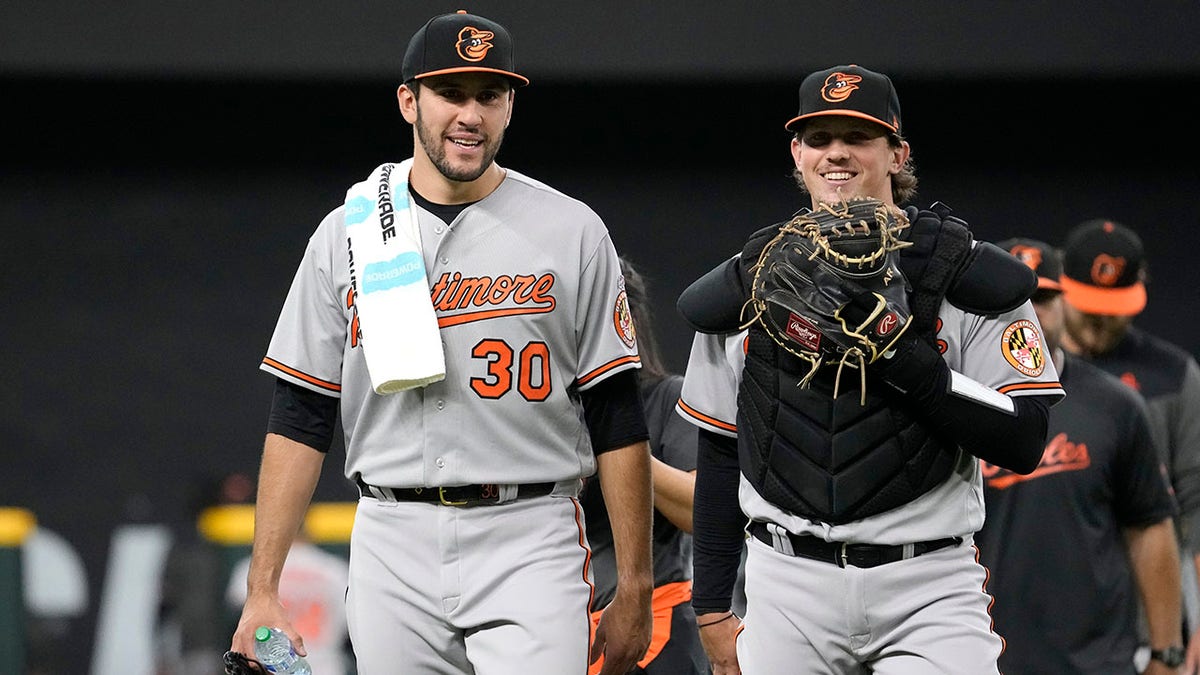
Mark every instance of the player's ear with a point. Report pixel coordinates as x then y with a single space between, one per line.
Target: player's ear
512 99
407 99
900 155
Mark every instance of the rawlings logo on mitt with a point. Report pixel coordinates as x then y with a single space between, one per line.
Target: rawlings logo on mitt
827 287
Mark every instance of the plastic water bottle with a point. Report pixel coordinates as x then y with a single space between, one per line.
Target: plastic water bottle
274 650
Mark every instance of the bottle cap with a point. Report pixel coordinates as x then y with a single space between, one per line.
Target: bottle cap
262 633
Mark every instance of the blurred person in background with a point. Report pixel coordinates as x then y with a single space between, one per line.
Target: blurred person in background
192 615
1104 285
1077 545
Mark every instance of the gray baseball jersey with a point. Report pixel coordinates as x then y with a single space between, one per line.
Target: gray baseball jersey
991 359
531 307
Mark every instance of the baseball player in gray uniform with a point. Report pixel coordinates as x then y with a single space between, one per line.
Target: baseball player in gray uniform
468 554
861 507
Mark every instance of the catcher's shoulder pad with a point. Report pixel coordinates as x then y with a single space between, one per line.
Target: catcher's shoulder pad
992 282
713 303
979 281
937 239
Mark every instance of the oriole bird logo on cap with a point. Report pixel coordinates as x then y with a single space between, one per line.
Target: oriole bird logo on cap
1029 255
473 44
1106 269
839 86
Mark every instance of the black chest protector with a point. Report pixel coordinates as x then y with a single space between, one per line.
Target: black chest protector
839 460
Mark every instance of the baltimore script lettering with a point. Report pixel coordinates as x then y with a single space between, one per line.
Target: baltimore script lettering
457 292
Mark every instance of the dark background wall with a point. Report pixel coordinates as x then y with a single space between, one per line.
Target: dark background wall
162 165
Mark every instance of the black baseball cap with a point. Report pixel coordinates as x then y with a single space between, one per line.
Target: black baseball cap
1039 257
1104 269
848 90
460 43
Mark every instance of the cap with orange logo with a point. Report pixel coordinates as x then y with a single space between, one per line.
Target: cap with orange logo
1103 269
1039 257
460 43
848 90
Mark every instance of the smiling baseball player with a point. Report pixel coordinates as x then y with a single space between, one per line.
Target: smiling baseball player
468 554
861 501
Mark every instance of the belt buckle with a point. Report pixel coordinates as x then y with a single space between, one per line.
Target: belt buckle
842 562
447 502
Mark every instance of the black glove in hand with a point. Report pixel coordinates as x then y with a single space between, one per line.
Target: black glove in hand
913 367
237 663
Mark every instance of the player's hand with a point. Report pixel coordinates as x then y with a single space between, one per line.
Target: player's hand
719 639
623 634
263 610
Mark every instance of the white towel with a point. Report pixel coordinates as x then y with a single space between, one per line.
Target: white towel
400 338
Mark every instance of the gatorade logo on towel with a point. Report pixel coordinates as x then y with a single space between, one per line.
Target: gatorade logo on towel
406 268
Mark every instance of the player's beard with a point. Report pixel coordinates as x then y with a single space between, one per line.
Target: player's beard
1093 336
435 149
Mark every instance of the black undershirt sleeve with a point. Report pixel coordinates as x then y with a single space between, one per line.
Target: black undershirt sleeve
613 412
302 415
719 524
1013 441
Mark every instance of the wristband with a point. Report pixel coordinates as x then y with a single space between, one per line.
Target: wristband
715 622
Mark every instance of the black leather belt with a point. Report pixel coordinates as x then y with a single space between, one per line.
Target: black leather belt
856 555
459 495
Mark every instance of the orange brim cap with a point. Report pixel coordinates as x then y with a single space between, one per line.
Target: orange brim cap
848 113
849 90
460 43
1121 301
520 80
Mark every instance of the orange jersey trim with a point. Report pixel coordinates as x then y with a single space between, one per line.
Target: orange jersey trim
459 319
275 365
711 421
607 367
987 576
1030 386
587 566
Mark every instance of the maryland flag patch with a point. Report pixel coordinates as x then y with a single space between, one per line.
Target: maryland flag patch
1022 347
623 320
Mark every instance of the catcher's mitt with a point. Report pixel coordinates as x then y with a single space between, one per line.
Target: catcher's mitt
237 663
827 287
